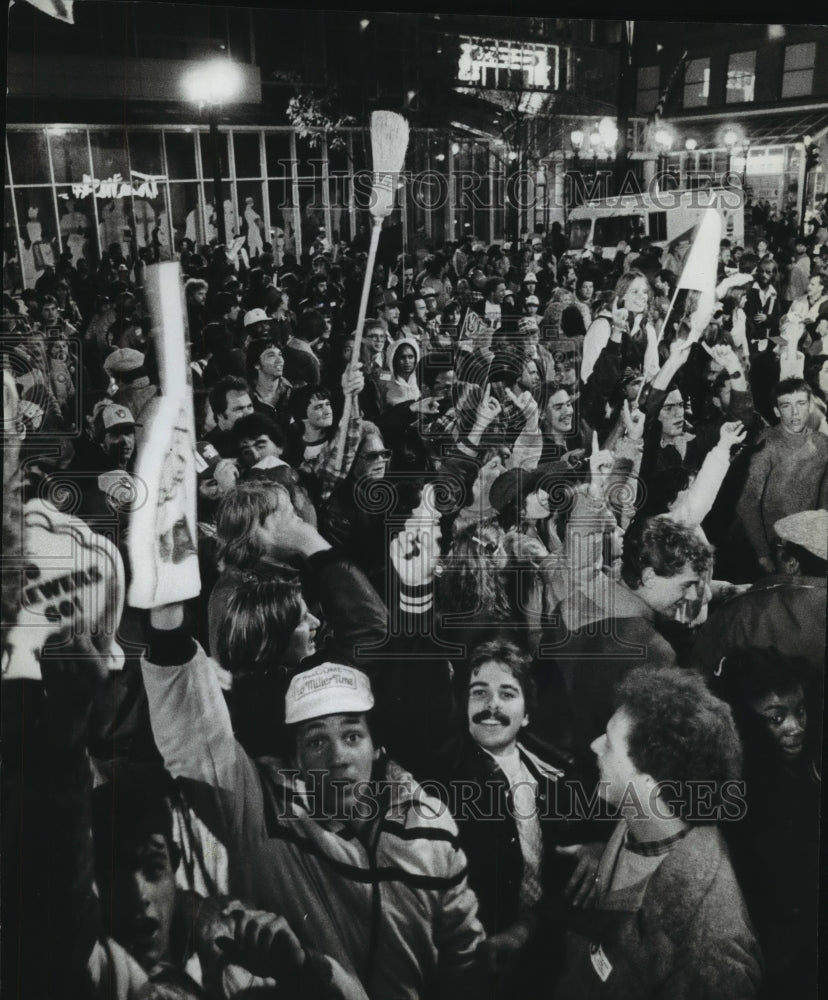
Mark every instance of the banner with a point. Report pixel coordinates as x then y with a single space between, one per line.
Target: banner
70 577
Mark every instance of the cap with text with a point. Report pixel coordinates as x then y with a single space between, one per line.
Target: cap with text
329 689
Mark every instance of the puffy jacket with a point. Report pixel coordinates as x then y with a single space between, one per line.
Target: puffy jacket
395 910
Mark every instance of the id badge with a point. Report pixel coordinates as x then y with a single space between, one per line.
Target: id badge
600 962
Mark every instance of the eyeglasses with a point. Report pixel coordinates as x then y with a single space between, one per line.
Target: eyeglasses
373 456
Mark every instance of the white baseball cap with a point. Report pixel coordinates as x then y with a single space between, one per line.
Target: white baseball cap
329 689
255 316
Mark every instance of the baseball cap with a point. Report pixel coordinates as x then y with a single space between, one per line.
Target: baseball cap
255 316
329 689
530 277
532 300
527 323
116 416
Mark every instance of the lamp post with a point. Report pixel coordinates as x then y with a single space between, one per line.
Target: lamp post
576 140
664 143
690 145
729 138
212 84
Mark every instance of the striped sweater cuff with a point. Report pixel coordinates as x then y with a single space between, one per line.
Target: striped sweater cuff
416 599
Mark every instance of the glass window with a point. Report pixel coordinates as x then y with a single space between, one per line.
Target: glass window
647 91
741 77
798 74
282 220
12 276
697 83
76 223
181 164
70 155
109 156
609 232
191 216
38 233
251 217
145 152
29 158
246 152
277 149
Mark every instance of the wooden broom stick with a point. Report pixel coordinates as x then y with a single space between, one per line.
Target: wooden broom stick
389 142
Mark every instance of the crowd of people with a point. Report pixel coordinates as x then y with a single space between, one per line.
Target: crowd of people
506 674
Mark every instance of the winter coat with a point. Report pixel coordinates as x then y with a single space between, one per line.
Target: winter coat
684 935
788 473
395 910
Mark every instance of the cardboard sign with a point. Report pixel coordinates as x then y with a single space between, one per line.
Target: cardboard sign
163 531
69 577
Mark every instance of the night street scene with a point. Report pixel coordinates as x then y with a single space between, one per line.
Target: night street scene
415 505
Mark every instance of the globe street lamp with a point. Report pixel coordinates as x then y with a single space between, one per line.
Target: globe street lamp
212 84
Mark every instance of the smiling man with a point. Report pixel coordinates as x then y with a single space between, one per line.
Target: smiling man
788 470
664 565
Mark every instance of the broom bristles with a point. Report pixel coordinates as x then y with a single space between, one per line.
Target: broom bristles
389 142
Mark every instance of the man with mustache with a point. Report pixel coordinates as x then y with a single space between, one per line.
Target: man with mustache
513 806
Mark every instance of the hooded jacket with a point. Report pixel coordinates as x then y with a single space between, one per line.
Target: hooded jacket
399 389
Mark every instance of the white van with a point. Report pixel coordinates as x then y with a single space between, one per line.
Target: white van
667 218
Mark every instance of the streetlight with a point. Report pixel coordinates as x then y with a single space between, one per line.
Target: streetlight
730 138
663 139
210 85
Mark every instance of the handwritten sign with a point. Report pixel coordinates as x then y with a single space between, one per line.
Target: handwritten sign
139 186
70 577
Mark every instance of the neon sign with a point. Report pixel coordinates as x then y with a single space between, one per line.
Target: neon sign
479 55
139 186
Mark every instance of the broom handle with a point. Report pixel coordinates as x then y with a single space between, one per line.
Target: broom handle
363 309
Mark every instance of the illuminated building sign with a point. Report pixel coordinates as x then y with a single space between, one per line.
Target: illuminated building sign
139 186
491 62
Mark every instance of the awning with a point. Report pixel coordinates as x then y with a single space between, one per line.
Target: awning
774 128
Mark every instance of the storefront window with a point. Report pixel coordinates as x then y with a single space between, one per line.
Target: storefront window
251 217
76 224
145 152
277 150
246 154
282 233
181 164
70 155
109 156
12 276
29 157
38 232
191 216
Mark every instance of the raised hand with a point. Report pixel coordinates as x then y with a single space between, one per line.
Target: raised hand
488 409
633 421
525 404
732 434
724 355
601 461
416 549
